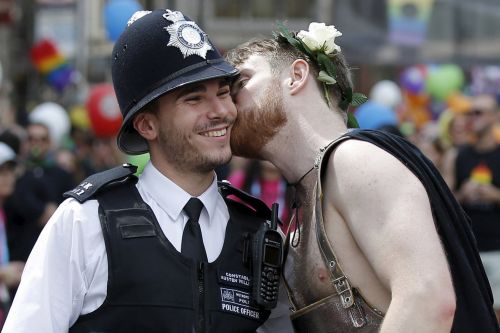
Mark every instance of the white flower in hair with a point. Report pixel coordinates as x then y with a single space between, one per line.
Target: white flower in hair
320 37
318 44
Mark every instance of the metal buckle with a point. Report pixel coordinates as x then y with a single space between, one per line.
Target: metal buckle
357 316
344 290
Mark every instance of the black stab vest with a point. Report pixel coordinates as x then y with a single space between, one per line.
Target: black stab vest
154 288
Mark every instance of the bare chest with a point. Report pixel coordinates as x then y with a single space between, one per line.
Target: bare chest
308 274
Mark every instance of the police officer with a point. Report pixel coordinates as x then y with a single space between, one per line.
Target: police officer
161 253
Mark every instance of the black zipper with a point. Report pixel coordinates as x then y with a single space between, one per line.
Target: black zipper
201 297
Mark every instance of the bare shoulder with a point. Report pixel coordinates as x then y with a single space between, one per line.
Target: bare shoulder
362 173
365 161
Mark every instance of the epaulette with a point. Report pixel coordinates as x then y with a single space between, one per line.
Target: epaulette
92 184
257 205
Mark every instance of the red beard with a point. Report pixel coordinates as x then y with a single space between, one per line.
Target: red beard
256 126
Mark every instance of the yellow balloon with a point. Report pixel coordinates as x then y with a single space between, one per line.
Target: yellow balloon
79 117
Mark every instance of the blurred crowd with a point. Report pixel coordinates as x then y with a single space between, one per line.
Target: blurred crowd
452 116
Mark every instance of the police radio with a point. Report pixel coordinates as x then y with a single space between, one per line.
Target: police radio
267 246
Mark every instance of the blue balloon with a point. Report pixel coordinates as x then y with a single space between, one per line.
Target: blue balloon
371 115
116 15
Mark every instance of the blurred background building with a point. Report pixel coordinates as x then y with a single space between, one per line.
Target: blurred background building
59 50
380 36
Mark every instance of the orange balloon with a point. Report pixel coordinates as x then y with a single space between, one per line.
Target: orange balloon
459 103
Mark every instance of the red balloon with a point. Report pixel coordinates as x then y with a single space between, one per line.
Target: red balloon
104 111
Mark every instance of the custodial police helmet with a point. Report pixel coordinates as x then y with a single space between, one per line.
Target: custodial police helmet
158 52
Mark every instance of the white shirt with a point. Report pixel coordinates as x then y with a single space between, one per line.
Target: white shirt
67 271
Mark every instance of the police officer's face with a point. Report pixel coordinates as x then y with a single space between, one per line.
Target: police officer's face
195 124
259 100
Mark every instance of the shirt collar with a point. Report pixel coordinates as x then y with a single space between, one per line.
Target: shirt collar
171 198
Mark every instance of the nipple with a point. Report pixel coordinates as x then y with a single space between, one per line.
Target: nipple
322 274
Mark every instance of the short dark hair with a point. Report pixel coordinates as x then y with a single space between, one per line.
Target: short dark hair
280 54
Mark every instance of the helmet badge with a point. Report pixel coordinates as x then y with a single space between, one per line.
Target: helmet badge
186 35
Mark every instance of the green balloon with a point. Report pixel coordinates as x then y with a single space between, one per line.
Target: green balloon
140 161
445 80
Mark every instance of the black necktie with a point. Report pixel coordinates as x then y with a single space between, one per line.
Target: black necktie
192 241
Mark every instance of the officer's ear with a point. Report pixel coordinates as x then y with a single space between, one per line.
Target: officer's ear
299 73
145 123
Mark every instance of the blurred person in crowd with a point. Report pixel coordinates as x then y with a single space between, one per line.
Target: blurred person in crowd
382 244
162 252
105 154
12 137
429 143
264 181
477 186
66 159
10 271
459 133
82 140
37 193
453 133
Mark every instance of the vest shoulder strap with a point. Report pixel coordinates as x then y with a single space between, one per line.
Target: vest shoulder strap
93 184
236 197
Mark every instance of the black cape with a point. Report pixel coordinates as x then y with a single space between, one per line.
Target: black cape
474 312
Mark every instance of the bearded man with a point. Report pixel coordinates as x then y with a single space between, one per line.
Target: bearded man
381 244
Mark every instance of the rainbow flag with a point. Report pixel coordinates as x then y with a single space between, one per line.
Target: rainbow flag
52 64
481 174
408 21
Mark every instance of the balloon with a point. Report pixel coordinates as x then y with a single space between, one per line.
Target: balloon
372 115
79 117
55 118
116 15
386 93
416 100
140 161
458 103
485 80
413 79
443 81
103 110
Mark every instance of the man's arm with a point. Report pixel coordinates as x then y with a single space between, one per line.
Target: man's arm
52 283
387 210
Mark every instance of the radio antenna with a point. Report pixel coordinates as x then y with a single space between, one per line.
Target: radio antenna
274 217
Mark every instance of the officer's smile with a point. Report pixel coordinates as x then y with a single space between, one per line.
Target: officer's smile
215 133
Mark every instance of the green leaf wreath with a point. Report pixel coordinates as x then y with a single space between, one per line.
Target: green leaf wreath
318 44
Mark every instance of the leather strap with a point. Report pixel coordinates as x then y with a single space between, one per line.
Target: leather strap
338 278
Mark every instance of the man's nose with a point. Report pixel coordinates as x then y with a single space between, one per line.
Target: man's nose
219 108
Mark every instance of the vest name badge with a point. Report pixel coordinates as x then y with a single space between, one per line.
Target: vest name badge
238 302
